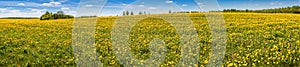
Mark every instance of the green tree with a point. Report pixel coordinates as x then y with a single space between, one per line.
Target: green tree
58 15
46 16
124 14
55 16
140 13
131 13
127 13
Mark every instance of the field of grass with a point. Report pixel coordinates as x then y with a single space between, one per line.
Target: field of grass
254 39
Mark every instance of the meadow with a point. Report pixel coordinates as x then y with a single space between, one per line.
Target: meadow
254 39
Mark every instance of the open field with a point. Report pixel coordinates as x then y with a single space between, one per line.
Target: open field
254 39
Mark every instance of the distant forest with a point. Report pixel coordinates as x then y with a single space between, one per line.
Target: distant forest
58 15
293 9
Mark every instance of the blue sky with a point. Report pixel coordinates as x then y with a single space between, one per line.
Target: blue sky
35 8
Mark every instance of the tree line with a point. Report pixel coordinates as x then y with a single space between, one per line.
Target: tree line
58 15
127 13
293 9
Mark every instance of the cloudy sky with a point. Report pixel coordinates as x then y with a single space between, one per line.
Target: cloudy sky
35 8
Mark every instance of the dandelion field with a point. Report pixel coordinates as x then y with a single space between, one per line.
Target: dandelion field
254 39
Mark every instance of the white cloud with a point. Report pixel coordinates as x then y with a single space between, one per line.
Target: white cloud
113 6
21 4
35 4
125 4
152 8
3 9
65 8
72 11
63 0
37 10
276 3
51 4
200 3
184 5
89 5
14 11
168 1
30 4
55 3
46 4
20 14
141 5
